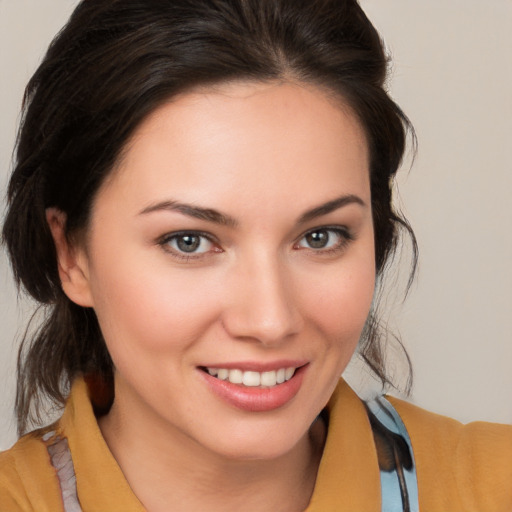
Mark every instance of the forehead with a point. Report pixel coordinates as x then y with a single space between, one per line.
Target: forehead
259 139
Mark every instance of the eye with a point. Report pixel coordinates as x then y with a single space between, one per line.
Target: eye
190 243
325 239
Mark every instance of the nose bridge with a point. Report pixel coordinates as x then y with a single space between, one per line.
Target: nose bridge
263 305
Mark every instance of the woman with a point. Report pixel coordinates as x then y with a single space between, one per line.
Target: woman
202 196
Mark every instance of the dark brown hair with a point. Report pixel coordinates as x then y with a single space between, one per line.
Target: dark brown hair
114 63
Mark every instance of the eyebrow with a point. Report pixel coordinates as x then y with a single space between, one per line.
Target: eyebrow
190 210
330 206
211 215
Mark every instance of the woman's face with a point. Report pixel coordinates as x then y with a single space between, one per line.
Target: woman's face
234 242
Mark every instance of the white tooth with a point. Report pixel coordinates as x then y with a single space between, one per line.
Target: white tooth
251 379
235 376
280 375
223 374
268 378
213 371
289 373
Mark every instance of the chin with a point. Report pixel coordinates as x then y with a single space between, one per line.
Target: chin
261 440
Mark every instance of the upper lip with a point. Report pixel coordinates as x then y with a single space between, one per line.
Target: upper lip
258 366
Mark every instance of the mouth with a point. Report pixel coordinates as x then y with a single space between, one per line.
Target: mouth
252 379
255 391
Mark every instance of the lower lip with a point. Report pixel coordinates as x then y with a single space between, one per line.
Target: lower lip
256 399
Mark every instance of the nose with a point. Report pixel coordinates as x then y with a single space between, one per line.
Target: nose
262 305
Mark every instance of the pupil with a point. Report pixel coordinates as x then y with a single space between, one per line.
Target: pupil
188 243
317 239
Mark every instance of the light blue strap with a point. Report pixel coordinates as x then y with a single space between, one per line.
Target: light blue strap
390 486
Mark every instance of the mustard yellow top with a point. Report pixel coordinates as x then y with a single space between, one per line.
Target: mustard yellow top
459 468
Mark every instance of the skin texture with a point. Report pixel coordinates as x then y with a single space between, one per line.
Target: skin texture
255 291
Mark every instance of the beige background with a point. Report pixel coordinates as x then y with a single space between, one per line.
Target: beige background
453 77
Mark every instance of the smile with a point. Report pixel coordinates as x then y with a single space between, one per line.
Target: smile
243 387
251 378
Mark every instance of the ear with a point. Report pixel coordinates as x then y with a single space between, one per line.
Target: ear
72 261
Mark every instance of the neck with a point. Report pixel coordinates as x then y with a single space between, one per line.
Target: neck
167 470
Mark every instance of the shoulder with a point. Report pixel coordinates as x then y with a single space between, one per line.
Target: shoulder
12 494
468 464
27 478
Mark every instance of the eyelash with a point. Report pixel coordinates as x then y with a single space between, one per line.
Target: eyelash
170 237
345 237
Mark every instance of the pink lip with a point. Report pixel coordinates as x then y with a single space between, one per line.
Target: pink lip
256 399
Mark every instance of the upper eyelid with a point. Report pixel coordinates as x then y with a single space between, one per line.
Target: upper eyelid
174 234
340 229
346 237
336 228
164 243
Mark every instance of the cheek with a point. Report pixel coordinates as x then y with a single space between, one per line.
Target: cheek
151 308
340 301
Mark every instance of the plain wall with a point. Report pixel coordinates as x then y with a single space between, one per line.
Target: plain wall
452 74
